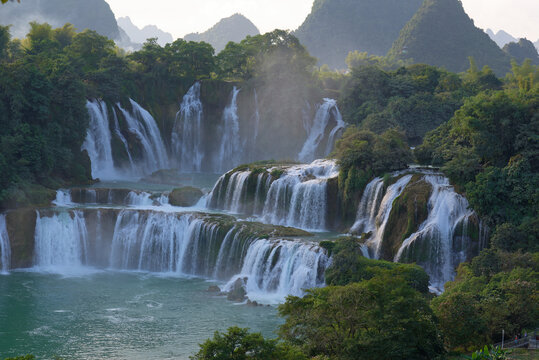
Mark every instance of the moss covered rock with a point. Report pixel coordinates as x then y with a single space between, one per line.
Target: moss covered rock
185 196
21 225
409 211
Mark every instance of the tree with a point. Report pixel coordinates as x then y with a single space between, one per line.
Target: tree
380 318
239 344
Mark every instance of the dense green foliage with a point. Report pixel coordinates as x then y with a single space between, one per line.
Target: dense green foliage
498 290
234 28
336 27
239 344
349 266
490 148
442 34
362 155
379 318
415 99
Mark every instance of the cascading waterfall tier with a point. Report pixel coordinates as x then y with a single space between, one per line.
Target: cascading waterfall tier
188 131
61 241
140 125
320 138
230 150
441 250
291 196
98 142
446 238
5 247
113 197
210 246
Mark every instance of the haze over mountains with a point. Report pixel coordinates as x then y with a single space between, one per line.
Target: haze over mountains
139 36
437 32
234 28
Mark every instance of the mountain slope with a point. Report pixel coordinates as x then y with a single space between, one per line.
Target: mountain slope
442 34
336 27
521 50
83 14
139 36
234 28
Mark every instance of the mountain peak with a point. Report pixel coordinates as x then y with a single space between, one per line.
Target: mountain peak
336 27
233 28
442 34
139 36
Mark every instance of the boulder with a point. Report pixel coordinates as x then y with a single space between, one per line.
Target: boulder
185 196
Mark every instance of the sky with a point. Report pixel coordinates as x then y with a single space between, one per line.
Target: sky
520 18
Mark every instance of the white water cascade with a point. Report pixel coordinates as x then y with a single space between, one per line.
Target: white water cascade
368 207
177 244
98 141
5 247
230 150
447 210
63 198
316 131
143 125
299 197
187 133
61 242
281 268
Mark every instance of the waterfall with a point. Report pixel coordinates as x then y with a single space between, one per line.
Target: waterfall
393 192
316 131
230 150
5 247
61 241
299 197
277 268
187 133
447 210
143 125
120 136
368 207
98 141
63 198
139 199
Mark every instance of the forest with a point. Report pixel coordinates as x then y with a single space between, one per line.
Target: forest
480 130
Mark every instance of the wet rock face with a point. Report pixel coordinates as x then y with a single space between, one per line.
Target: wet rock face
238 292
185 196
21 226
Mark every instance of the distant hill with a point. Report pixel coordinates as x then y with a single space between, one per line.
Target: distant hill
501 37
336 27
83 14
442 34
536 45
234 28
523 49
139 36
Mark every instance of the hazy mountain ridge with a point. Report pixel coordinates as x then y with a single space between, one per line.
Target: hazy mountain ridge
234 28
83 14
139 36
521 50
336 27
442 34
501 37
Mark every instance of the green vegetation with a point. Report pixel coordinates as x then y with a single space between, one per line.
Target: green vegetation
239 344
362 155
497 290
442 34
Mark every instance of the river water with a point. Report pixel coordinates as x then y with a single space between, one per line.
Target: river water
116 315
